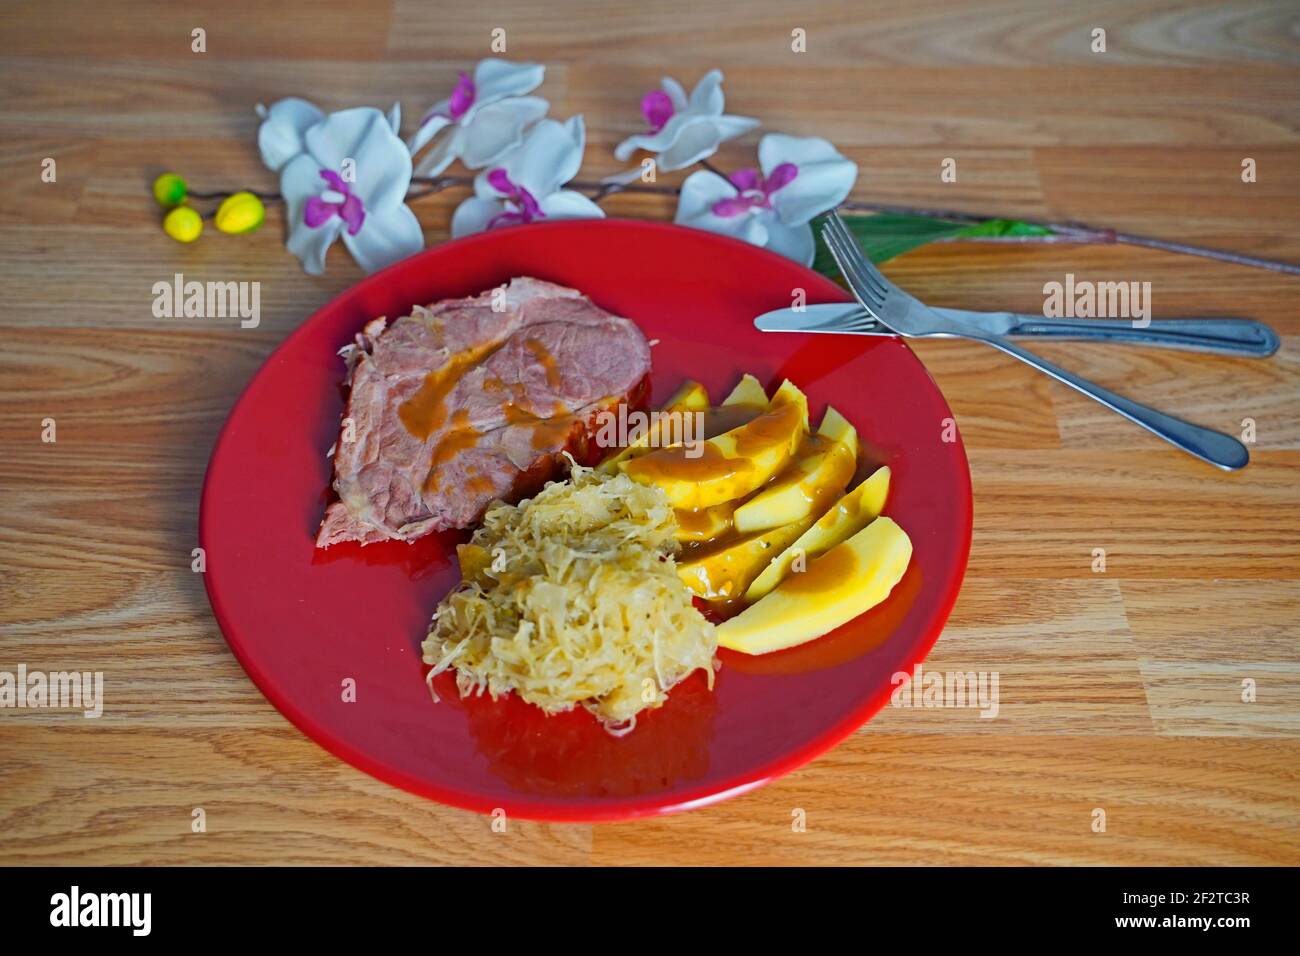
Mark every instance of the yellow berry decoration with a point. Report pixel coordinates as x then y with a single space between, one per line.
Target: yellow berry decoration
183 224
239 213
169 189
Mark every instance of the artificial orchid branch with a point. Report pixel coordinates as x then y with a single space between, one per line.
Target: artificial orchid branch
1072 232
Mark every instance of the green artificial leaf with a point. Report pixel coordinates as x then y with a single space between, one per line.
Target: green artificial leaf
885 235
1005 227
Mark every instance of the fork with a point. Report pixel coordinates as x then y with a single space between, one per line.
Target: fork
907 316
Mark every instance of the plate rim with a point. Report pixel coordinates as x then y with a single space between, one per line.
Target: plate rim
548 809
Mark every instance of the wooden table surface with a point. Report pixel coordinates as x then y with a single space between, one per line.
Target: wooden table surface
1119 690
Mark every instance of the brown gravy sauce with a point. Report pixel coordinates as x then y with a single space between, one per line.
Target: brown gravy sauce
480 484
546 360
761 432
768 429
459 437
699 526
673 464
553 429
425 413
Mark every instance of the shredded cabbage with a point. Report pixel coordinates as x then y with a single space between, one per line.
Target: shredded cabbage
572 598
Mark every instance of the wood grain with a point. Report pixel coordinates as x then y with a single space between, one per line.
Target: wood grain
1120 689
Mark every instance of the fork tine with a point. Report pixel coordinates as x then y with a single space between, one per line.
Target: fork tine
842 252
836 232
855 323
869 273
848 245
875 273
834 222
841 227
835 225
838 253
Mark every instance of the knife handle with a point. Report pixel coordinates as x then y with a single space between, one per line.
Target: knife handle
1221 336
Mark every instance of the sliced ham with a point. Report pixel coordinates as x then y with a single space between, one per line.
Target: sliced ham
470 400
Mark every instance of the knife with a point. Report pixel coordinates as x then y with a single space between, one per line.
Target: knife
1243 337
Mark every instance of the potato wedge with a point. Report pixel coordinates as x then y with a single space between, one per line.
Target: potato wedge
841 521
787 394
749 391
803 490
691 397
837 428
728 466
705 524
723 573
808 483
851 577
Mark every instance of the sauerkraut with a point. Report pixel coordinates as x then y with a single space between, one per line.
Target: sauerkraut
572 598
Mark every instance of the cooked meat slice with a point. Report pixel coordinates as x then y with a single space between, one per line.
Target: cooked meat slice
471 400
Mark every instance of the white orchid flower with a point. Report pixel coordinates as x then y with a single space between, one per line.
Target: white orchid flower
682 131
483 119
527 186
798 179
342 175
280 137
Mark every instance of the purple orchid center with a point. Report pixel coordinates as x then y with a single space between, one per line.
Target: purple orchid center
337 200
657 108
755 192
521 205
462 98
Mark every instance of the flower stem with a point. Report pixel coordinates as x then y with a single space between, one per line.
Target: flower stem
227 193
1061 232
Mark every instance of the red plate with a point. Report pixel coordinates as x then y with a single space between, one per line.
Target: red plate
305 623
